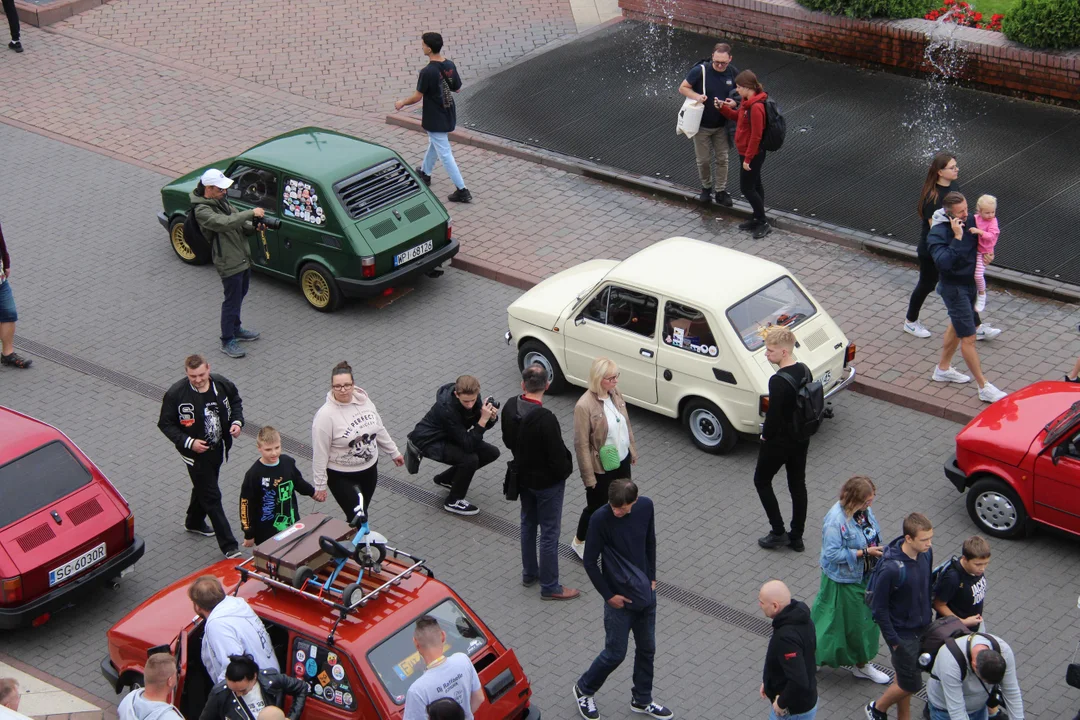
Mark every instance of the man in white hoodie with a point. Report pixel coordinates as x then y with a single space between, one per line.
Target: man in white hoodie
153 701
230 627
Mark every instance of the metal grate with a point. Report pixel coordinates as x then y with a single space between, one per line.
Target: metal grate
385 227
35 538
417 211
376 188
84 511
816 339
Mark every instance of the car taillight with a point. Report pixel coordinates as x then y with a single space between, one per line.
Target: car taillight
849 354
129 529
449 229
763 405
11 590
367 266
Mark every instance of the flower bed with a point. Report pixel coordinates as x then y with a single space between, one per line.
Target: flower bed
961 13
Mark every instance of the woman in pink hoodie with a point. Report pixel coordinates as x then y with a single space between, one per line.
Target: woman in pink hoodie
346 437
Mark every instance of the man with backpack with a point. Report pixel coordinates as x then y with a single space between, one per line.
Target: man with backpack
972 676
898 594
785 440
716 78
541 462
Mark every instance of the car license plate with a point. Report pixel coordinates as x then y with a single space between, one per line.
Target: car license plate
73 567
413 253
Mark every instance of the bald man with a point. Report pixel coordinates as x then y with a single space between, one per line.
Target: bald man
788 680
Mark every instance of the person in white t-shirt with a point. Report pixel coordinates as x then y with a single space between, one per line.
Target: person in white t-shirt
453 677
247 691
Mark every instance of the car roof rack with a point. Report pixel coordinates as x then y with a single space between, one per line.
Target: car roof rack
248 570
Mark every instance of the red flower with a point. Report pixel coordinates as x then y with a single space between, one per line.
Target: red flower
996 17
949 2
963 4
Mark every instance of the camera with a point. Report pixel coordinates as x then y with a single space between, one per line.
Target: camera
492 401
271 223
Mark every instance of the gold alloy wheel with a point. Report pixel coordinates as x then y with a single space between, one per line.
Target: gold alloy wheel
315 288
179 245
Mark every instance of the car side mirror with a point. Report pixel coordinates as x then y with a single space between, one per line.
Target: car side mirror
579 320
1059 450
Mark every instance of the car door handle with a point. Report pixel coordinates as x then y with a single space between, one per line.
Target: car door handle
646 352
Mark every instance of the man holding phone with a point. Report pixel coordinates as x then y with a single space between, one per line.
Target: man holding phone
953 248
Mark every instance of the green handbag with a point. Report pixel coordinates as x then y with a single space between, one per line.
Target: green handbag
609 458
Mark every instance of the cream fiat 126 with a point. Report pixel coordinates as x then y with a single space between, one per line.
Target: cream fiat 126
685 322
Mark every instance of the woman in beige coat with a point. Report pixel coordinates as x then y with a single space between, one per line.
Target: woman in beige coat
600 419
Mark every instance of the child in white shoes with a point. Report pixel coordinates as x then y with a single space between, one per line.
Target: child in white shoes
986 228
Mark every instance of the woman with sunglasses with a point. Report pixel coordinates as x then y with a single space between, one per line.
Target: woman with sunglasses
603 441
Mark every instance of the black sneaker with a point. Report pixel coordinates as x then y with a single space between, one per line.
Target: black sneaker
424 176
724 198
796 544
762 230
705 196
462 196
245 335
205 530
586 706
16 360
443 480
872 713
15 45
773 540
1072 380
461 507
657 711
748 225
234 554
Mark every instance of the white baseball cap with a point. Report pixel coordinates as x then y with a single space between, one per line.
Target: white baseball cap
215 178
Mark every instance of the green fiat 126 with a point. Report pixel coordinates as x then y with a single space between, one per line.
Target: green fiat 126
347 218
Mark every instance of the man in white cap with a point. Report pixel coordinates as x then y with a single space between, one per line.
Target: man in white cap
224 228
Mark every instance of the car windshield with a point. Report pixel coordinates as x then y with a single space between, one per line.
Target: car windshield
38 479
780 303
1060 426
397 662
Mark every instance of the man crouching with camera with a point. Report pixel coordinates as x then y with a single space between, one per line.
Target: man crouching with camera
452 433
224 229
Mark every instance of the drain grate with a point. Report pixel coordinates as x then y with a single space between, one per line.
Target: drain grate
687 598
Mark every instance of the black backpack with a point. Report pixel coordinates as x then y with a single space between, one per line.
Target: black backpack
944 632
937 573
196 240
875 579
809 406
772 138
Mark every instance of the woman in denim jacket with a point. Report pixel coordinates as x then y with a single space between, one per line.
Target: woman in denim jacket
850 547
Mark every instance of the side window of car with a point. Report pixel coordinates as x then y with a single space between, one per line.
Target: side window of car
324 672
300 200
596 310
633 311
254 185
686 328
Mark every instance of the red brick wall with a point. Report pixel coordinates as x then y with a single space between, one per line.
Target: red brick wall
994 62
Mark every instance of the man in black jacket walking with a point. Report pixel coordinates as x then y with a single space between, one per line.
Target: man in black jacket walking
789 680
246 691
201 415
543 463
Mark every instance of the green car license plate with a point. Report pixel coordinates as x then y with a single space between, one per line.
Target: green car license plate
413 253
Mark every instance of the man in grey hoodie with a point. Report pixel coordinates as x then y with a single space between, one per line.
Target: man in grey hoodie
230 627
152 701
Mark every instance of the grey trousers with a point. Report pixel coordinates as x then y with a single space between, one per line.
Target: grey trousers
709 142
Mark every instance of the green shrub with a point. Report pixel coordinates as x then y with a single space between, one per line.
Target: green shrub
872 8
1053 24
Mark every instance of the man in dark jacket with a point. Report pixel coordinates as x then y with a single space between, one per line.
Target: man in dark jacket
954 248
201 415
225 228
788 679
452 433
245 691
543 463
900 600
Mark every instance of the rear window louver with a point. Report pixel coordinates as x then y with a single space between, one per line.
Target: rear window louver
84 511
36 537
375 188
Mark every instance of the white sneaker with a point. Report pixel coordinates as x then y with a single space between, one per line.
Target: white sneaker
916 328
985 332
950 375
989 393
578 548
980 302
869 672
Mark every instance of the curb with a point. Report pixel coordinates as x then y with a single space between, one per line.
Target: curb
107 707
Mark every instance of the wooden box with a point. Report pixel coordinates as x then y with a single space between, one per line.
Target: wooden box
298 546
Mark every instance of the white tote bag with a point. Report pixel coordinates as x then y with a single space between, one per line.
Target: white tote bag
690 113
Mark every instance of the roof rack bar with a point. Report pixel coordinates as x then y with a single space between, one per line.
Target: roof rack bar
275 583
392 581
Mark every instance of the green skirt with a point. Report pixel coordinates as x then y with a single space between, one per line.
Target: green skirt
846 631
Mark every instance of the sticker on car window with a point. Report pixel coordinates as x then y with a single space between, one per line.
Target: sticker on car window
300 201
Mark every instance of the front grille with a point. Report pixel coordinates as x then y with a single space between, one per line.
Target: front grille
38 536
84 511
417 211
375 188
385 227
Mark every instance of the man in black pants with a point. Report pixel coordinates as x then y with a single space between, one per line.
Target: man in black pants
13 24
201 415
780 446
452 433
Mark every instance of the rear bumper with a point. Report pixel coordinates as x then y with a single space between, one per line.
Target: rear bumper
163 219
955 475
365 288
108 671
24 614
843 383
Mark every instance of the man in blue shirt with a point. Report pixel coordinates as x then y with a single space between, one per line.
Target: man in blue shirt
622 534
710 83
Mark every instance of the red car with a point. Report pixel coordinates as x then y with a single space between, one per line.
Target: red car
63 527
358 664
1019 461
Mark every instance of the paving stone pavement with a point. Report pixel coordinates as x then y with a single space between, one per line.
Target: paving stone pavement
97 279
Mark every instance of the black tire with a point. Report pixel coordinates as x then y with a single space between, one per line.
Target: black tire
534 351
189 250
708 427
996 508
301 577
352 592
135 681
378 553
319 288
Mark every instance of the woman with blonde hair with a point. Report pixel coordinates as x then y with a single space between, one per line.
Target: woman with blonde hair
850 547
603 441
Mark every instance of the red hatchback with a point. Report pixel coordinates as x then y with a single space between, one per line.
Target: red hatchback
1019 461
63 526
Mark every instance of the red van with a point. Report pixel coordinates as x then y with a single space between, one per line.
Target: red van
64 528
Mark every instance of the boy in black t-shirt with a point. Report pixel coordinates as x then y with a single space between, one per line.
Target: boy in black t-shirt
961 588
268 495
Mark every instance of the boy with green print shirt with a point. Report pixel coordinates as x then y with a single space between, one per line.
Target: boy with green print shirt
268 495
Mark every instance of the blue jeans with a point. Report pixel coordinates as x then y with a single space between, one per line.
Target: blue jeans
236 287
939 714
439 146
543 509
808 715
618 624
7 303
